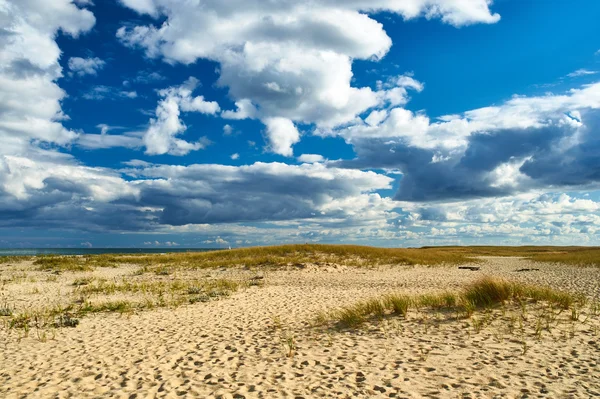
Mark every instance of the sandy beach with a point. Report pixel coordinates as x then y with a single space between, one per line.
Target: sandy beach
262 342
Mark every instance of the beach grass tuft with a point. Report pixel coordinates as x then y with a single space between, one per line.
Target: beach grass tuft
484 293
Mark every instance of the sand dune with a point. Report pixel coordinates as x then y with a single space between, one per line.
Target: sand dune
260 343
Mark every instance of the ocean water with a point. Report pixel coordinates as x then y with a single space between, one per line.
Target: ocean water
95 251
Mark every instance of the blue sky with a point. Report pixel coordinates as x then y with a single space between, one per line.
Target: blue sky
161 123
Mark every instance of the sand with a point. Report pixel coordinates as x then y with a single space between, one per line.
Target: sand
261 343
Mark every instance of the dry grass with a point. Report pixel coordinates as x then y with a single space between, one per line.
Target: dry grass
287 255
482 294
158 288
92 296
571 255
14 259
274 256
574 257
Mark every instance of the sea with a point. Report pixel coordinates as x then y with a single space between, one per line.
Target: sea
95 251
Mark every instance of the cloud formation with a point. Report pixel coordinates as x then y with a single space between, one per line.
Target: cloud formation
102 92
30 107
160 138
524 144
512 171
289 60
85 66
43 193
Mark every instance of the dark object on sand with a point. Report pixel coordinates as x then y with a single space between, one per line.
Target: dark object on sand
257 278
527 270
472 268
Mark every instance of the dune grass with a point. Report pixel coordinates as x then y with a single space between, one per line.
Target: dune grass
14 259
299 254
574 257
273 256
93 296
569 255
482 294
155 288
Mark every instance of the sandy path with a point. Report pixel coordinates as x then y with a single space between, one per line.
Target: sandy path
236 347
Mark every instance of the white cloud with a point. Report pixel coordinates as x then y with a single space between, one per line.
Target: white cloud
85 66
227 130
160 138
282 135
53 190
581 72
104 140
290 60
218 241
244 110
97 141
395 90
102 92
451 132
310 158
26 179
376 117
29 96
235 156
162 244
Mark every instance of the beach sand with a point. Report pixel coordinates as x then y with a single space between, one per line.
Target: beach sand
260 342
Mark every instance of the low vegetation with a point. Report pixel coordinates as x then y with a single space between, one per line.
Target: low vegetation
483 294
91 296
574 256
274 256
289 255
14 259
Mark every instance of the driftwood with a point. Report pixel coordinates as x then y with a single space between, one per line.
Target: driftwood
472 268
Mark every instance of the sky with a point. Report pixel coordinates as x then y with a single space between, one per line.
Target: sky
202 123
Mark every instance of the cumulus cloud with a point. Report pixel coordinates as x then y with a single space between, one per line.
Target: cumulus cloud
282 134
29 96
395 89
524 217
235 156
244 110
524 144
310 158
289 64
57 192
162 244
261 191
291 60
160 138
85 66
227 130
